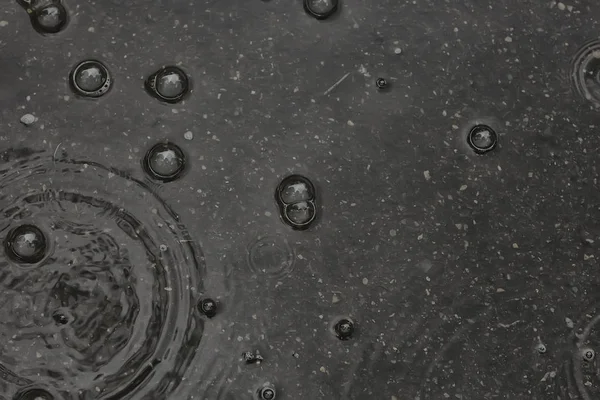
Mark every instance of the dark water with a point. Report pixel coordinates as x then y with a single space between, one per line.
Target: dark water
233 200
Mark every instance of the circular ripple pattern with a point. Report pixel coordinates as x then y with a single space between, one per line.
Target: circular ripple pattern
272 256
108 314
34 394
90 78
321 9
169 84
585 71
581 369
296 198
164 162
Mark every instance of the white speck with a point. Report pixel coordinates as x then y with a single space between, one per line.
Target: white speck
364 71
110 175
515 246
188 135
427 175
267 213
365 281
174 111
561 6
28 119
569 322
397 50
335 299
66 98
91 29
38 354
168 289
444 113
420 237
508 39
350 123
463 187
570 8
163 247
28 98
392 232
322 369
3 23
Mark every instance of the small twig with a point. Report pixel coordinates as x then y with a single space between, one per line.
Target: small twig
55 151
336 84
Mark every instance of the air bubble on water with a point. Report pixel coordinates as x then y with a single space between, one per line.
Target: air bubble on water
321 9
164 162
90 78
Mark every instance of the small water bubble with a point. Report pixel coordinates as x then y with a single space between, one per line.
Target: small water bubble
381 83
26 244
344 328
588 354
301 214
541 348
164 162
50 19
267 393
90 78
321 9
482 139
169 84
208 307
295 191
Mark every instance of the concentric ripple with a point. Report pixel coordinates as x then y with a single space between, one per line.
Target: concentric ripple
110 312
585 71
271 256
580 375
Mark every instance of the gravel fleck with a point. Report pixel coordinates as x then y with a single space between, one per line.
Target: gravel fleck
28 119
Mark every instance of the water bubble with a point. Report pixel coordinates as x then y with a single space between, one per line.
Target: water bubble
164 162
90 78
541 348
50 19
321 9
296 198
169 84
381 83
296 189
344 328
34 394
208 307
300 214
267 393
588 354
482 139
585 71
26 244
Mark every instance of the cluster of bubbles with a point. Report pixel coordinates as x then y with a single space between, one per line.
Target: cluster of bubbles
296 198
